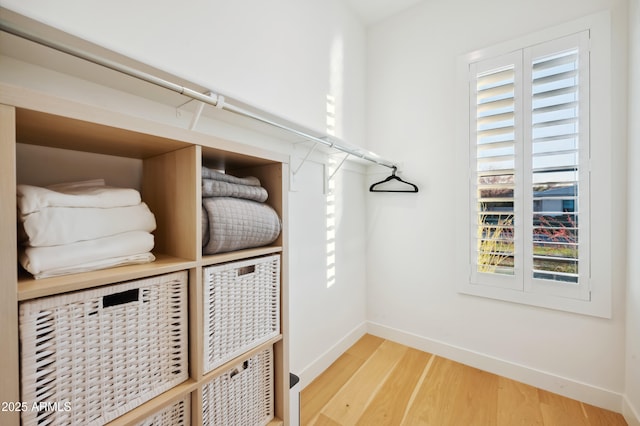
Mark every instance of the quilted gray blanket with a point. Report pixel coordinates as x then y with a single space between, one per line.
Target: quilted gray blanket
230 224
223 177
218 188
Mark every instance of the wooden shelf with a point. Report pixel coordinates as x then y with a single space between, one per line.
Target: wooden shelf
30 288
227 365
240 254
38 128
158 403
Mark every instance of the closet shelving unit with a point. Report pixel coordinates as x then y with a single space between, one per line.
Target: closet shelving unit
171 161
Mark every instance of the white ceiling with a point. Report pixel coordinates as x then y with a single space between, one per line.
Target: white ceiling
372 11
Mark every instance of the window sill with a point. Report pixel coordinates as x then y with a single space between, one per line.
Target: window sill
596 307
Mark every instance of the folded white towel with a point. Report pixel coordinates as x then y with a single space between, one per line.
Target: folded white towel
54 226
85 254
100 264
93 193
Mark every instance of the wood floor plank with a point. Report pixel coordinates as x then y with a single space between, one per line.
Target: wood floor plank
475 402
323 420
318 393
518 404
348 405
601 417
390 402
365 346
559 410
455 394
433 404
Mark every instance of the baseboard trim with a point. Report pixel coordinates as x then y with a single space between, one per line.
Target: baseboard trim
320 364
631 415
593 395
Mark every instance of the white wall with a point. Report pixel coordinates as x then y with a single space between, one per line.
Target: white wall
285 56
412 244
328 309
633 279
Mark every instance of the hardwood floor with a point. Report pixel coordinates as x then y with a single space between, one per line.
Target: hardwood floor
378 382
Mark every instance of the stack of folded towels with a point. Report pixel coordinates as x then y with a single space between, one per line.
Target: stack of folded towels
234 213
82 226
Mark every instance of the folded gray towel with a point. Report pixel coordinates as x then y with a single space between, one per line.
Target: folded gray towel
223 177
217 188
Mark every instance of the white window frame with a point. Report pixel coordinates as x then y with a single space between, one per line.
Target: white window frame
594 296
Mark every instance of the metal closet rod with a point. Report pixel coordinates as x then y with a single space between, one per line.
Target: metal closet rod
212 99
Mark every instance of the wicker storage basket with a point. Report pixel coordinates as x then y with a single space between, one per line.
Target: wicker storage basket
242 307
101 352
178 414
241 396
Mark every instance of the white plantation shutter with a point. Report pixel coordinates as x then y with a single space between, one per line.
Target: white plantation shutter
495 110
557 166
529 160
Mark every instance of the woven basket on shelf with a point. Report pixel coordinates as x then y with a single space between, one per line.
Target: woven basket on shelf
241 396
178 414
241 307
99 353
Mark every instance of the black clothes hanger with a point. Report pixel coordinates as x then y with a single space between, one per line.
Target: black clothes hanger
393 177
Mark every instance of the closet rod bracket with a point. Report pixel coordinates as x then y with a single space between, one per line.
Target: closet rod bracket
339 165
304 159
217 99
